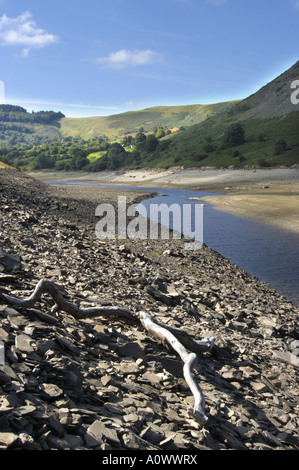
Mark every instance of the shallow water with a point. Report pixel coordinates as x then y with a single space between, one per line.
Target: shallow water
269 253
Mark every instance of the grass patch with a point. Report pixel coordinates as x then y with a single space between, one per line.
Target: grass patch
92 157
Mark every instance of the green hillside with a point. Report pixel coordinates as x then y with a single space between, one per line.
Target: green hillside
20 128
270 122
261 130
149 119
268 142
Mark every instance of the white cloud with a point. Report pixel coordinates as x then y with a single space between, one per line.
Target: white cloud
296 6
125 58
23 31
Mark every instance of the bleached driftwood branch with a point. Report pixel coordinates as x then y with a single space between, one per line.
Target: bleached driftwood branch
178 339
47 287
189 359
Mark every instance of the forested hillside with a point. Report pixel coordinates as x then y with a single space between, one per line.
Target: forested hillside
20 129
10 113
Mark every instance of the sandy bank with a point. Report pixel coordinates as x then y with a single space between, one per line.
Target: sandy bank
277 205
266 195
198 179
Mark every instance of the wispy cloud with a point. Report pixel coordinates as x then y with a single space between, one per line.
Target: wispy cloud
23 31
41 102
125 58
296 6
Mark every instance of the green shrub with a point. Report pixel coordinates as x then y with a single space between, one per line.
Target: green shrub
280 146
234 135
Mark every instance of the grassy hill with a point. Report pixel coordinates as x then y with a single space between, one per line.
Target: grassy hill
270 122
206 135
202 145
268 117
149 119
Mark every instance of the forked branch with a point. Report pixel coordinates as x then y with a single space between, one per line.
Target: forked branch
178 339
189 359
47 287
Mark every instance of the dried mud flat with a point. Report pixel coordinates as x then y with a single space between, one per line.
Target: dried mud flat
103 384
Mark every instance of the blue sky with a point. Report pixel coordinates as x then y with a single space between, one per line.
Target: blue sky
102 57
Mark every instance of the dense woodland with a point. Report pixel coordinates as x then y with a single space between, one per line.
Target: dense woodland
77 154
31 148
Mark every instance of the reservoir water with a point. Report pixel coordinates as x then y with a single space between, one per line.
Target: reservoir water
269 253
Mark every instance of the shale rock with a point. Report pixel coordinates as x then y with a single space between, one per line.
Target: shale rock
102 384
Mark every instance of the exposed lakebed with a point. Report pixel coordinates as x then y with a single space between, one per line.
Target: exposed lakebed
269 253
102 383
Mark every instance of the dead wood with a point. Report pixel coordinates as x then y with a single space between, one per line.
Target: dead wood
189 359
178 339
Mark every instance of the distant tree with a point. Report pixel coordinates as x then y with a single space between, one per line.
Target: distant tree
140 137
98 165
139 140
60 165
43 161
261 137
116 156
208 148
160 133
4 159
79 159
280 147
136 156
116 149
263 163
151 143
234 135
127 141
10 108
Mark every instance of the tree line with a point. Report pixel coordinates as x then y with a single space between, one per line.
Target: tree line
72 153
11 113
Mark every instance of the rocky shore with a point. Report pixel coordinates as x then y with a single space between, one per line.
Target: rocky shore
104 384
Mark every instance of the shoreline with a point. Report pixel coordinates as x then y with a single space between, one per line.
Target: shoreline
101 375
269 196
277 206
195 179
